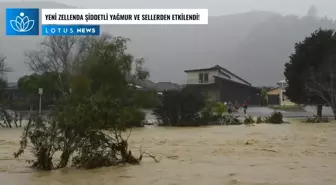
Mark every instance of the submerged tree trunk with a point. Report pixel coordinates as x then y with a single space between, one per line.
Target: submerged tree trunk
319 111
64 159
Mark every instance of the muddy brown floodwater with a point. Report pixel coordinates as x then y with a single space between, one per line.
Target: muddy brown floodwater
290 154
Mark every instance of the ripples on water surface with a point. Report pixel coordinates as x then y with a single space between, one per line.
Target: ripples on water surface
291 154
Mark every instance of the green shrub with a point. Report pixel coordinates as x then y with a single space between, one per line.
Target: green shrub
219 108
181 108
207 117
276 118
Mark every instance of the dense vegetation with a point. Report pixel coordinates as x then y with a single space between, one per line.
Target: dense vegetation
310 73
29 84
191 108
186 107
180 108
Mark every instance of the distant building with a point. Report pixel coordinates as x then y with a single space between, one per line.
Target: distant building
140 84
148 85
12 92
278 96
166 86
222 85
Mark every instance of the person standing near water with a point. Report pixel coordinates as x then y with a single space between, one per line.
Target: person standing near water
245 106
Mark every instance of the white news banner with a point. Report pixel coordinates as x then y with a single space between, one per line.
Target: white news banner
123 16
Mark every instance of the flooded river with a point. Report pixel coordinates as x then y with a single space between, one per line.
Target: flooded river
290 154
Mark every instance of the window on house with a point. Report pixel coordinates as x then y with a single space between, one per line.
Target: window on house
200 78
203 77
206 77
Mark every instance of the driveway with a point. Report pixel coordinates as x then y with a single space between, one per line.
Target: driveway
265 111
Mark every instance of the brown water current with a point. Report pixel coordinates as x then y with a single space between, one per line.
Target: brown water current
289 154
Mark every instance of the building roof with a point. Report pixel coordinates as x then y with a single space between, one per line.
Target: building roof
164 86
276 91
231 81
142 84
282 81
12 86
149 85
221 72
217 67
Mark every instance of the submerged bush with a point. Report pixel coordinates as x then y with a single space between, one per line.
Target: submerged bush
10 117
259 120
276 118
219 108
231 120
88 122
44 138
207 117
215 114
249 120
136 118
88 146
180 108
317 120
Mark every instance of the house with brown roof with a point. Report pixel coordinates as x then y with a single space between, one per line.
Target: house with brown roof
278 96
222 85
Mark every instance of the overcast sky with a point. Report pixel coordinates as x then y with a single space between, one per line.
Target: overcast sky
216 7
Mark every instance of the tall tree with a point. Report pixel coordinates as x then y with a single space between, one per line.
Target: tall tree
68 56
4 69
322 79
59 55
309 66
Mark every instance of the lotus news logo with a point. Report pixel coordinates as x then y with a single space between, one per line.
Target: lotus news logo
21 21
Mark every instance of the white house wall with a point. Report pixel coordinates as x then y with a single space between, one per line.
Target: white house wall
193 77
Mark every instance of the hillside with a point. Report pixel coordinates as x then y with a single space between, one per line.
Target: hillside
262 55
